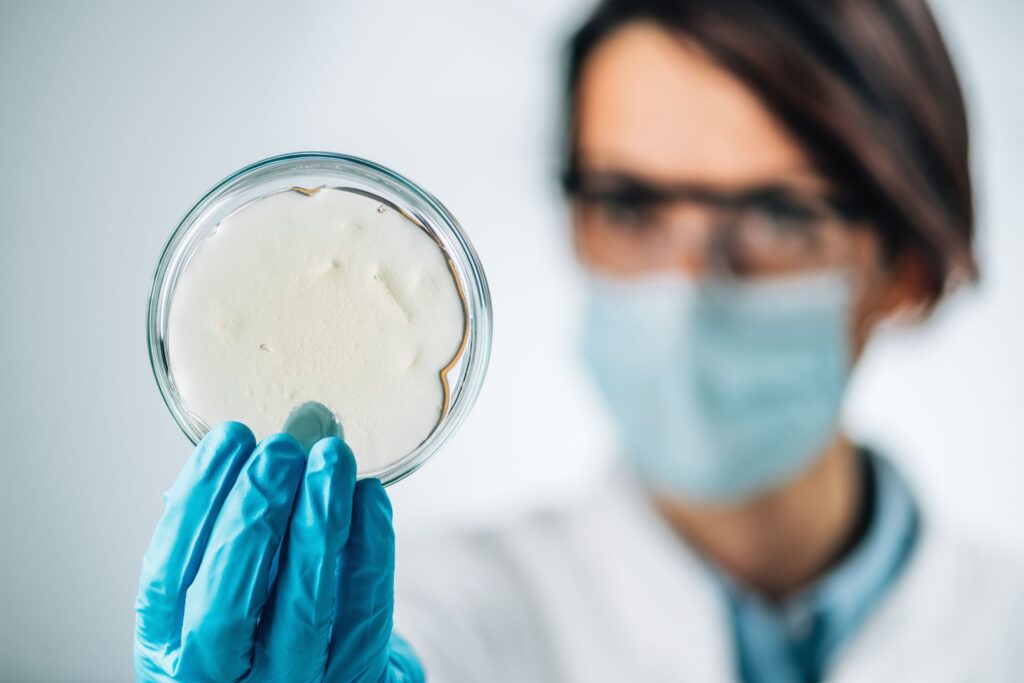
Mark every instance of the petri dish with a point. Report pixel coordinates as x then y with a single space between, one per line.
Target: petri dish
322 280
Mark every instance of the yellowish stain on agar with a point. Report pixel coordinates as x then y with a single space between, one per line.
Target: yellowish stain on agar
465 337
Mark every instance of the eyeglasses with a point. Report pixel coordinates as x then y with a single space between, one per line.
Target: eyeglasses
758 232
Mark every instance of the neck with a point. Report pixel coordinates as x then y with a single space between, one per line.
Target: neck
780 542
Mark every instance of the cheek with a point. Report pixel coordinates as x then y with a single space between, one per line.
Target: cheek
862 324
602 254
580 243
588 250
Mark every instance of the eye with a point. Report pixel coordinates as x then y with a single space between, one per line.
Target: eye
776 233
623 211
787 215
616 201
783 222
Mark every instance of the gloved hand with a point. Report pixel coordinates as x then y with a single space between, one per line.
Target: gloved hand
269 565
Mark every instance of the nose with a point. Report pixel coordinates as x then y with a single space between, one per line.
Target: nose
688 230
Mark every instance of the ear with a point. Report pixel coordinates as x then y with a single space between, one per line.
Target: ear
908 295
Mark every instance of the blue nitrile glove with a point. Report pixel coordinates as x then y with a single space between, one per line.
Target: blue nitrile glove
218 603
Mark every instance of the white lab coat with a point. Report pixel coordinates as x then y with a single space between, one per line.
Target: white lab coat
604 591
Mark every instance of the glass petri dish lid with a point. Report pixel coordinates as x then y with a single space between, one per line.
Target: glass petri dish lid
313 287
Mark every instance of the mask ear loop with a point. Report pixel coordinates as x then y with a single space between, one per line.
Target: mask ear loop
859 323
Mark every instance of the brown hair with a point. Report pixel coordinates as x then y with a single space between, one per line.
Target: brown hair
866 87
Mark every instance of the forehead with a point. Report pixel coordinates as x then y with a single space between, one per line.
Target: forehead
651 105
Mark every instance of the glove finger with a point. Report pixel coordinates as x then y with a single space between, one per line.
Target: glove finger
176 549
295 630
404 665
230 589
362 627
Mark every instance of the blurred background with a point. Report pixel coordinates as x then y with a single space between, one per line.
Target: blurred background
117 116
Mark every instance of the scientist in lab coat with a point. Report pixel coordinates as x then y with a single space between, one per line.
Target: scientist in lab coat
755 187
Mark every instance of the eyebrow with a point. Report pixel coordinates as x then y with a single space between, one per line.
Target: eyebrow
595 183
631 187
612 161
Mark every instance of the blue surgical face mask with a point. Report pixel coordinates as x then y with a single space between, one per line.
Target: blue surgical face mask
721 390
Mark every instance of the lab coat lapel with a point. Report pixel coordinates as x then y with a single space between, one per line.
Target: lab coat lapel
685 626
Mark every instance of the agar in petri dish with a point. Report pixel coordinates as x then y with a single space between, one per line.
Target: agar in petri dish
356 299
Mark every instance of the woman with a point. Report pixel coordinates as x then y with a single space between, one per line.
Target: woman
755 187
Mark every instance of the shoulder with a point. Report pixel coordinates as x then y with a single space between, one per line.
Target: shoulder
966 599
541 597
492 599
955 613
509 550
487 565
610 528
988 580
952 574
604 558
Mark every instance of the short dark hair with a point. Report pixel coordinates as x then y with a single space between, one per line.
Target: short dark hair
866 87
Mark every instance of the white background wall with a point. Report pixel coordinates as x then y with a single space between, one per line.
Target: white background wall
116 116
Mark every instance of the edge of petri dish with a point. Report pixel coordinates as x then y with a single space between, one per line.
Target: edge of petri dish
328 169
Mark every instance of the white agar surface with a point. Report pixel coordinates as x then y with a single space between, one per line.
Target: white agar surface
330 297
